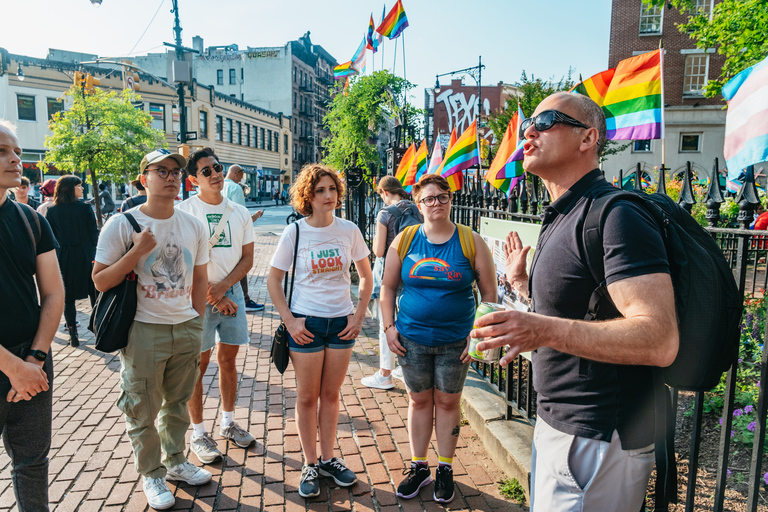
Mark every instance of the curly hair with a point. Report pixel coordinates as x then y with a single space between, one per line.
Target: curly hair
196 157
430 179
303 189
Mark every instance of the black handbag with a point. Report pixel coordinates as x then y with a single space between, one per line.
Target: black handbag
113 313
279 352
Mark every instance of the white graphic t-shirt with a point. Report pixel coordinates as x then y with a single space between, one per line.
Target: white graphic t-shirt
238 232
322 266
164 274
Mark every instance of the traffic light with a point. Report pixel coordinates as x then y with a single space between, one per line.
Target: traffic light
91 82
79 79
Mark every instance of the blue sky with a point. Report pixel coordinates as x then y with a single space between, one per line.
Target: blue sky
542 38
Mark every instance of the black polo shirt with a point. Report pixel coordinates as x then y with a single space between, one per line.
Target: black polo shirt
577 396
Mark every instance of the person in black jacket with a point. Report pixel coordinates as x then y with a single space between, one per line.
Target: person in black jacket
74 226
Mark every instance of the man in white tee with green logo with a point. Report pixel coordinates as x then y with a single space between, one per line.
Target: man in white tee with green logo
229 227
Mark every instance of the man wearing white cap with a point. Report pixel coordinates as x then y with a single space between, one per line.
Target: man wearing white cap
160 364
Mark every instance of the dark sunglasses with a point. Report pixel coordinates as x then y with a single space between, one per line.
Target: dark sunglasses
547 120
207 171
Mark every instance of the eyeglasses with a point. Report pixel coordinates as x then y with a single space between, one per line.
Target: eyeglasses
547 120
163 173
207 171
430 200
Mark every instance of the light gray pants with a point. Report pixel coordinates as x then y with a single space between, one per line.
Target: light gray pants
575 474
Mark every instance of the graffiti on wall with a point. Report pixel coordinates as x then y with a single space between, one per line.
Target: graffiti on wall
461 111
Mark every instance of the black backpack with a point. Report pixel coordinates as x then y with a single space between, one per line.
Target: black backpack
708 305
410 217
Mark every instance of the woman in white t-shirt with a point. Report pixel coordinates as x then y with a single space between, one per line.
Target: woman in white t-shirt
322 322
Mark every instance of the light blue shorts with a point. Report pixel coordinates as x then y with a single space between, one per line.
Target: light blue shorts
220 328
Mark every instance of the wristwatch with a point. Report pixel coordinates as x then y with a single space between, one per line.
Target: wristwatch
37 354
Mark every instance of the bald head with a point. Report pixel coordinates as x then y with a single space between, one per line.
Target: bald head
235 173
584 109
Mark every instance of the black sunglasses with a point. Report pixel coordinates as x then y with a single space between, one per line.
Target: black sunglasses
207 171
547 120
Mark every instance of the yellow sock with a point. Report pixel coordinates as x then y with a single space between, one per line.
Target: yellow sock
419 460
445 460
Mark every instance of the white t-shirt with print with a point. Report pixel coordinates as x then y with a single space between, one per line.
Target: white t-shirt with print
238 232
165 274
322 266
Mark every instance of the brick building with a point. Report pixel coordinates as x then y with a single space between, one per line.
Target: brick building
695 125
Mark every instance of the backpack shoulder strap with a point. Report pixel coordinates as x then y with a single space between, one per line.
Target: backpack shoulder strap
405 240
133 222
394 211
467 240
30 218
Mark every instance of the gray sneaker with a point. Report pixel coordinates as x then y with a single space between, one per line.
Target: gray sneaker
205 448
237 435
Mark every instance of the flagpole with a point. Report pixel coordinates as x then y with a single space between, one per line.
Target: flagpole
663 135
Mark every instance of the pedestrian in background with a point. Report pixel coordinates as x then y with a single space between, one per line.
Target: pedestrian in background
137 200
47 190
74 226
21 194
322 322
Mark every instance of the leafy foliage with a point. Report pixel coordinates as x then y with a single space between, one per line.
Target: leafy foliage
738 29
103 132
357 114
512 490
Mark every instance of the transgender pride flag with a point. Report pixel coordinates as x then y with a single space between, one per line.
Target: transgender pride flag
746 121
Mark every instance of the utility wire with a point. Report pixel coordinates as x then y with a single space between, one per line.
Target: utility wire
145 30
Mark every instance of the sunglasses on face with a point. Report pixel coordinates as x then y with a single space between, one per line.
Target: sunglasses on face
547 120
430 200
163 173
207 171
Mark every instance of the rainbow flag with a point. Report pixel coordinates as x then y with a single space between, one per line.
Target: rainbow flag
631 95
372 41
456 180
405 163
437 158
508 164
746 120
463 154
394 23
343 70
418 166
358 59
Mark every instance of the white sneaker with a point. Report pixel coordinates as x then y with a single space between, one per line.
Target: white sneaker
158 495
378 381
188 472
398 373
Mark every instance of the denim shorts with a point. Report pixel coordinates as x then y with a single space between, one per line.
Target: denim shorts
220 328
326 331
425 367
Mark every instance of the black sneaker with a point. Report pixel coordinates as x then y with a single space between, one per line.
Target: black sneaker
417 477
310 482
444 484
251 306
336 469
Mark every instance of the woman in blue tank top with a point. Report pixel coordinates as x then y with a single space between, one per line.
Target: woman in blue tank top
431 333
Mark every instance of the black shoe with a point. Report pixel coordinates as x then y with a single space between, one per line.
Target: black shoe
417 477
310 482
73 341
338 470
444 484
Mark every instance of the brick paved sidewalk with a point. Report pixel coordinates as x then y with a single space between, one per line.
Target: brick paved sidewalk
92 465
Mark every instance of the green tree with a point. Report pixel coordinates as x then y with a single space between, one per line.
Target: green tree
103 133
738 29
357 114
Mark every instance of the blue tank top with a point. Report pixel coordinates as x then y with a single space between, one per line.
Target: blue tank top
436 306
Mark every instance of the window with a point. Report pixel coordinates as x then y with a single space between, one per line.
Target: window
641 146
702 7
269 140
203 124
262 142
295 127
285 143
696 70
26 106
254 137
54 107
247 135
219 77
238 133
650 20
689 142
157 112
228 131
232 76
176 124
294 100
310 82
277 142
295 151
219 123
294 74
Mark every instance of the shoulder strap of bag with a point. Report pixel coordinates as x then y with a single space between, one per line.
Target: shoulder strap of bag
406 239
220 226
467 243
133 222
288 294
28 213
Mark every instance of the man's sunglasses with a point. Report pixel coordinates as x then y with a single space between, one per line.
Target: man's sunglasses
207 171
547 120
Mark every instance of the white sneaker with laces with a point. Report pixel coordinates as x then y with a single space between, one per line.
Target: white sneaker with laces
159 497
398 373
378 381
188 472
